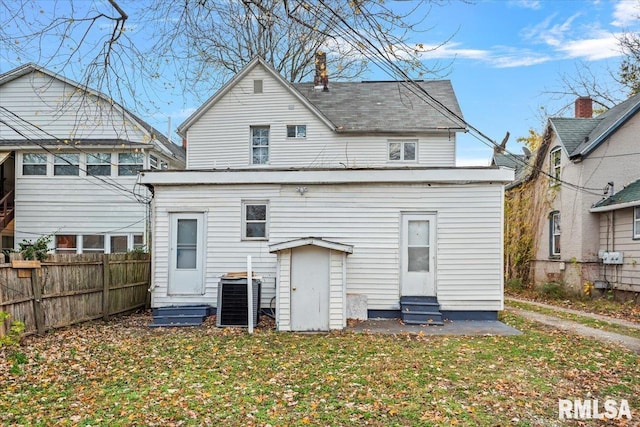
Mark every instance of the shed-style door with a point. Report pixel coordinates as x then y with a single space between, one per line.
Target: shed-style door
309 289
186 254
417 255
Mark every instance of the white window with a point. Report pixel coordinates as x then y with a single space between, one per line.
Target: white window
130 163
259 145
636 222
66 244
296 131
255 217
164 165
99 164
153 162
119 244
34 164
93 244
554 234
554 165
403 151
66 164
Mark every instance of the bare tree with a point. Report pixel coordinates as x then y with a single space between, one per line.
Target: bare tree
630 66
133 49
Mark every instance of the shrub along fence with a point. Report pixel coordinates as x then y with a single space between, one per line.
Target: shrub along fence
66 289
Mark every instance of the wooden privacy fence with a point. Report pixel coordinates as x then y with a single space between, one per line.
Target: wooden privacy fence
69 288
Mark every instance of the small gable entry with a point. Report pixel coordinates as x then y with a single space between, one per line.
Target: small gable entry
311 284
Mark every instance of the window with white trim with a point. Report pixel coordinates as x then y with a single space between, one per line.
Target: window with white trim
98 164
93 244
554 234
555 157
66 244
255 218
66 164
153 162
636 222
403 151
296 131
130 164
259 145
34 164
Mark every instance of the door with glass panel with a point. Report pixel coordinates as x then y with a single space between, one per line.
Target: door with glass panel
186 254
417 255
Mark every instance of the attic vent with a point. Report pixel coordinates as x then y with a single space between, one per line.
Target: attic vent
257 86
232 302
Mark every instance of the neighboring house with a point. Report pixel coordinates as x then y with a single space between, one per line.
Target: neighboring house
346 196
583 160
70 158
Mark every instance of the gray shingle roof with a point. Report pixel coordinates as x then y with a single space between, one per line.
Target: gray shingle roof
629 194
580 136
385 106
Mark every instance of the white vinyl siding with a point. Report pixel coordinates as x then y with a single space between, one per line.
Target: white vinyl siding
469 262
219 138
624 277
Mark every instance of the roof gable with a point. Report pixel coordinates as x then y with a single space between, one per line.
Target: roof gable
156 138
311 241
377 107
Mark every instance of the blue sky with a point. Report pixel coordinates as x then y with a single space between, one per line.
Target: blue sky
506 57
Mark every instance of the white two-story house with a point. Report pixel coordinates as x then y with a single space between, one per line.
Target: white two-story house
70 158
340 192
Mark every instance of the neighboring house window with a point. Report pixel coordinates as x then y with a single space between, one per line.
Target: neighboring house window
34 164
138 241
400 151
554 234
119 244
636 222
130 163
254 220
99 164
554 165
93 244
259 145
296 131
164 165
66 244
66 164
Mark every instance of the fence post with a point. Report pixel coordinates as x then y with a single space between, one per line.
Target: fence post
106 282
38 314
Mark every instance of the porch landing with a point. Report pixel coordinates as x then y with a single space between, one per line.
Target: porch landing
457 327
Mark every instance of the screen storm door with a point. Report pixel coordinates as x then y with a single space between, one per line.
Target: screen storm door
186 254
417 256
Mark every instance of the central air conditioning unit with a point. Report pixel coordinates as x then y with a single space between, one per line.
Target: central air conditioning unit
232 301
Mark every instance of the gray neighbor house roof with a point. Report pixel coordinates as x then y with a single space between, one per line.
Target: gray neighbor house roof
629 196
580 136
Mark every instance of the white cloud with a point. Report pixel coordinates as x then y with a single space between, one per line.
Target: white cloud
527 4
603 47
549 33
626 12
451 50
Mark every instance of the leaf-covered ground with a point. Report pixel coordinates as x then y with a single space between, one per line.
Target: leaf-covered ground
122 373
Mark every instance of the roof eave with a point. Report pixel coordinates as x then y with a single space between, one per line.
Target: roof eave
615 206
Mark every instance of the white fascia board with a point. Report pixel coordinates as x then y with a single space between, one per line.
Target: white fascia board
348 249
332 176
79 147
615 207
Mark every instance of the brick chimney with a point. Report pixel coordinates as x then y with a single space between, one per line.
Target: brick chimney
321 78
584 107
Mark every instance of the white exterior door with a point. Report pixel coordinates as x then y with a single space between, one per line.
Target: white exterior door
417 243
309 289
186 254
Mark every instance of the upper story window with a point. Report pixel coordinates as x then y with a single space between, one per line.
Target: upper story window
66 164
554 234
259 145
153 162
296 131
554 165
130 163
403 151
255 220
636 222
99 164
34 164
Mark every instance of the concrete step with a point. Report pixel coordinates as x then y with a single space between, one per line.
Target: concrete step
176 321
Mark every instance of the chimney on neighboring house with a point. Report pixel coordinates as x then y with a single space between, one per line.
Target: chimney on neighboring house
584 107
184 143
321 79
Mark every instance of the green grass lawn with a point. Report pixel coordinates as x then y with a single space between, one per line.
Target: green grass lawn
121 373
